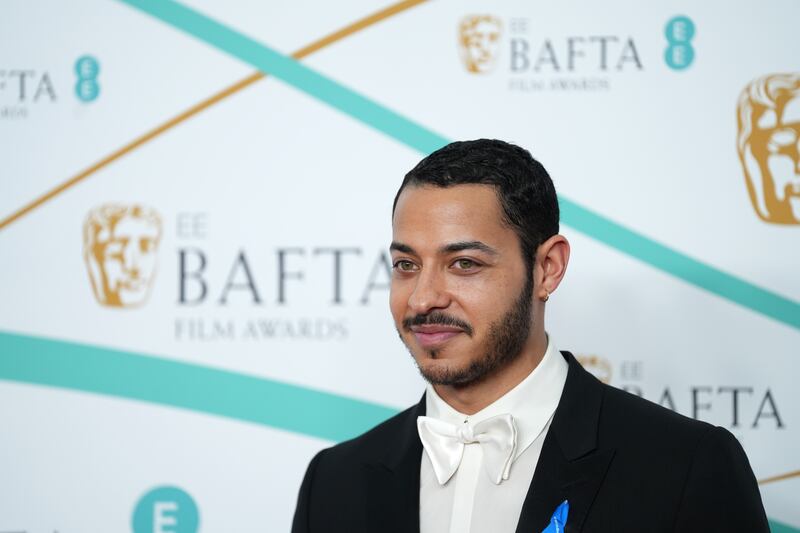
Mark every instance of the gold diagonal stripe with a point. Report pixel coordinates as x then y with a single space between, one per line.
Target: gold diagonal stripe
319 44
779 477
131 146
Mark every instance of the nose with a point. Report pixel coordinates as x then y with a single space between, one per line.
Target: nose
429 293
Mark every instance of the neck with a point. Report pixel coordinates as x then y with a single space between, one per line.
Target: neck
472 398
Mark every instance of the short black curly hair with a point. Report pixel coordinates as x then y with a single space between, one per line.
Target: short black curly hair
523 186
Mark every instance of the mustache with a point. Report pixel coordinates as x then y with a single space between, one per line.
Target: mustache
440 319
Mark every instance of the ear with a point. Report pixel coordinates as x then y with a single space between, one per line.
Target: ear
552 257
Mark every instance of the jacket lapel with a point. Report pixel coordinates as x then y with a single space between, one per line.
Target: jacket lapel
570 466
393 481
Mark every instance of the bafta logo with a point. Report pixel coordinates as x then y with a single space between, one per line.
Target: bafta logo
597 366
119 246
479 42
768 142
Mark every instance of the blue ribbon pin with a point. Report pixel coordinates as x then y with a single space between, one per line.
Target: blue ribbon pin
559 519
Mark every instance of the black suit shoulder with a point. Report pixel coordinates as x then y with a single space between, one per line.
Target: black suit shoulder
682 472
371 446
629 420
335 487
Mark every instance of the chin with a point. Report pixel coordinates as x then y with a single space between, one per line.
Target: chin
440 372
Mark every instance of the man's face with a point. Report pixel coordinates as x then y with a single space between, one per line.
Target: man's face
460 293
128 260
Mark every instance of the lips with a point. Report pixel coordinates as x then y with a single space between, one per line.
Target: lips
433 335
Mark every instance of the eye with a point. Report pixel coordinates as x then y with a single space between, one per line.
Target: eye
465 264
404 265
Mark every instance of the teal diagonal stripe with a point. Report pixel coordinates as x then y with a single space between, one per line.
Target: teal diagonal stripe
411 134
680 265
777 527
287 69
199 388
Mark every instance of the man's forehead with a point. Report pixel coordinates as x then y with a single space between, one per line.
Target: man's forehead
468 199
438 216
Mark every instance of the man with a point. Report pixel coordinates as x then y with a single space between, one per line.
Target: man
511 435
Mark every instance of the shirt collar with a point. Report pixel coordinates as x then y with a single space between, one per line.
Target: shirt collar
532 402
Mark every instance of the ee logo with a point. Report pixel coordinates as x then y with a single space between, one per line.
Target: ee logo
86 88
679 53
165 510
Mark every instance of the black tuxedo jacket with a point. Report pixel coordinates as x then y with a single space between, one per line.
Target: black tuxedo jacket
625 465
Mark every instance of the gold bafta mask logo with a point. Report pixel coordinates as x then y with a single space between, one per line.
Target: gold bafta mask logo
768 142
597 366
479 42
119 246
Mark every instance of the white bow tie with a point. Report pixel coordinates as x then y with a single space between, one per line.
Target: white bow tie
444 443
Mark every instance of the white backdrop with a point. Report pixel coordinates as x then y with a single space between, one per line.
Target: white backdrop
262 331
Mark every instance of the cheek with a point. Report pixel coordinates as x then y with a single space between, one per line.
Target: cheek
484 302
478 309
398 300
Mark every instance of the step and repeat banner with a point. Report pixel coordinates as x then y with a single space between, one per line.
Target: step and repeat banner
195 205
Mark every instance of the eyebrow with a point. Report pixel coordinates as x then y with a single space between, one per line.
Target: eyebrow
400 247
447 248
468 245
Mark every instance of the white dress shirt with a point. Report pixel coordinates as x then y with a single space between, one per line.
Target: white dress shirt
469 502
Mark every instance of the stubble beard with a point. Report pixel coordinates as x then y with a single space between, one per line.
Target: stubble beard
504 343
